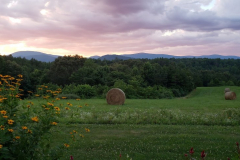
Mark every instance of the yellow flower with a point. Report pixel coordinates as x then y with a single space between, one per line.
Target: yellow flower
86 104
81 135
47 108
5 116
35 119
29 131
10 130
37 95
50 104
24 127
57 108
31 102
78 99
87 130
2 127
66 145
64 97
10 121
67 108
69 104
17 137
57 98
46 97
29 91
28 106
1 146
54 123
3 112
80 106
20 76
74 131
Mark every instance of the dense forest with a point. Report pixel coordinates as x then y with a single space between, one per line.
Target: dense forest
138 78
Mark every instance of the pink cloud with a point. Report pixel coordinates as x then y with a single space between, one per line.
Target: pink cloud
111 26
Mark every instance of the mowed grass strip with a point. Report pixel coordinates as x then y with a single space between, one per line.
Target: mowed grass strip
165 142
204 106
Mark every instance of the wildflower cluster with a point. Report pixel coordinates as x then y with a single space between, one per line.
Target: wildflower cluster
23 128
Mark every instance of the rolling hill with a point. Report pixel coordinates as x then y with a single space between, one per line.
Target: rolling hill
35 55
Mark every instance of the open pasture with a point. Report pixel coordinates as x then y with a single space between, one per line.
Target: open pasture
151 129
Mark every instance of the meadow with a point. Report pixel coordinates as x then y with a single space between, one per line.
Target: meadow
149 128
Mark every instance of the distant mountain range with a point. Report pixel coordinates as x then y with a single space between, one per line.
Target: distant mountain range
50 58
35 55
153 56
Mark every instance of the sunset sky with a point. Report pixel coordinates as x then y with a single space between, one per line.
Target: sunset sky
100 27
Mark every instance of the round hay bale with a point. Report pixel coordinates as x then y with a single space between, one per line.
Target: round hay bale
230 96
227 90
115 96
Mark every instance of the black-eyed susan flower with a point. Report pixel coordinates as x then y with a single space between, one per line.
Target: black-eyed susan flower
3 112
10 121
54 123
10 130
29 131
81 135
66 145
17 137
35 119
5 116
50 104
24 127
87 130
67 108
2 127
20 76
69 104
78 99
57 108
64 97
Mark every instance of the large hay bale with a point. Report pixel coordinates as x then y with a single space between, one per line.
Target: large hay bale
230 95
115 96
227 90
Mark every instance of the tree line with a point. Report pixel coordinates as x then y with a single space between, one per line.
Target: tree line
138 78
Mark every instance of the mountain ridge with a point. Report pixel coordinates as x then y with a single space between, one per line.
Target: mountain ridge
44 57
40 56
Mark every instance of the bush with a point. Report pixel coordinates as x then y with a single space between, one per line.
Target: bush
84 91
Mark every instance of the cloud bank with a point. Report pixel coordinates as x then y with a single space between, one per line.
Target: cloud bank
177 27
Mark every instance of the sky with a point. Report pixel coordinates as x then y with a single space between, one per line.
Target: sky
100 27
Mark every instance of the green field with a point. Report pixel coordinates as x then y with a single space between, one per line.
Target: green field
152 128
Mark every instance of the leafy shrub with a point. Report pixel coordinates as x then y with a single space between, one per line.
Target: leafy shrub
84 91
